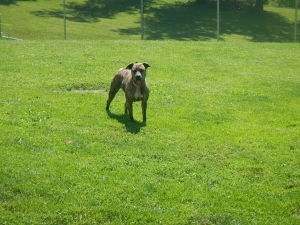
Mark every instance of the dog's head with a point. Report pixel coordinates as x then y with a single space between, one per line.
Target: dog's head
138 72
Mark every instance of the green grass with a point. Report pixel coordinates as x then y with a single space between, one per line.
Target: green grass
221 143
164 19
220 146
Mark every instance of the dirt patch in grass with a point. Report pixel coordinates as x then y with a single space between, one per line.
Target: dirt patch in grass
88 91
85 88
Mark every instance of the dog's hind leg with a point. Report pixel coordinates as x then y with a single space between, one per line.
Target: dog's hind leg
115 86
112 93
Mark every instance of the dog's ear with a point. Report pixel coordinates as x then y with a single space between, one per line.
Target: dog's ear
146 65
129 67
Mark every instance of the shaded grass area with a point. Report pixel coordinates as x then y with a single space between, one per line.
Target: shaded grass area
220 146
180 20
13 2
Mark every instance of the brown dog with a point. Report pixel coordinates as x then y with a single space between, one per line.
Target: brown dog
132 80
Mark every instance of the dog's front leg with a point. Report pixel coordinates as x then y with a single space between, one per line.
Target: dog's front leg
125 108
144 108
128 108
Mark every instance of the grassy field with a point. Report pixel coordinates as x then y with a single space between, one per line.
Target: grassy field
164 19
221 143
220 146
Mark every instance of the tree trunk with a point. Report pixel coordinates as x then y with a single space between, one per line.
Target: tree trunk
259 5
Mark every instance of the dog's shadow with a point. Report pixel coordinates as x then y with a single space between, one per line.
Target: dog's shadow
133 127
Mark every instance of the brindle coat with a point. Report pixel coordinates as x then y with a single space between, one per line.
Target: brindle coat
132 80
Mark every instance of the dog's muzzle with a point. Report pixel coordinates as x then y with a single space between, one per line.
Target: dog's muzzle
138 77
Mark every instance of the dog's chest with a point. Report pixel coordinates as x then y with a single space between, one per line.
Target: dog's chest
138 94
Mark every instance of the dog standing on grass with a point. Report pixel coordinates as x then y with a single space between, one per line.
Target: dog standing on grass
132 80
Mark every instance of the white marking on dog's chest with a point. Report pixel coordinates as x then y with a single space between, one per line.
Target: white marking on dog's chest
138 94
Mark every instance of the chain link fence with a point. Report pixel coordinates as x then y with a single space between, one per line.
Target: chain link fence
189 20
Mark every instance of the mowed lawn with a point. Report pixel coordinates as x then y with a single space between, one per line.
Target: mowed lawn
221 143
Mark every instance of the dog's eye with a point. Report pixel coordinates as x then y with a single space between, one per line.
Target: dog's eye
137 70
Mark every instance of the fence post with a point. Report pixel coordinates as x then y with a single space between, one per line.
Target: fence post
142 20
0 27
218 20
296 19
65 25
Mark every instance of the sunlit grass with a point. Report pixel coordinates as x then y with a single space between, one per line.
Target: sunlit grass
221 143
